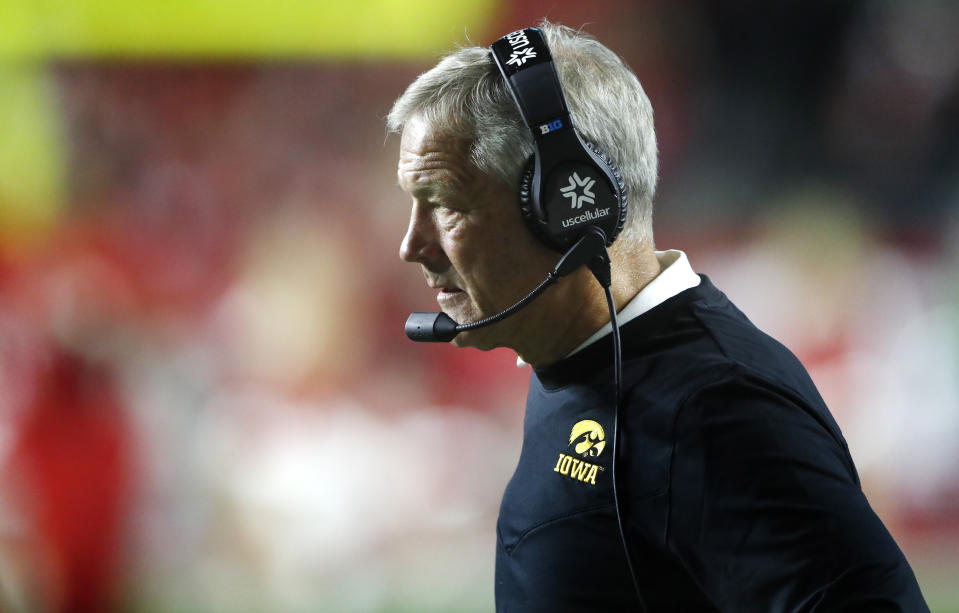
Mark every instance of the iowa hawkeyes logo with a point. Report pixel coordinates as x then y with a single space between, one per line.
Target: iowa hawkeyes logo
590 437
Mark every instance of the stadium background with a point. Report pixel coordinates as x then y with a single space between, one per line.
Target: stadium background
206 399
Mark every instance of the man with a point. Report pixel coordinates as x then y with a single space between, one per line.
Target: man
737 491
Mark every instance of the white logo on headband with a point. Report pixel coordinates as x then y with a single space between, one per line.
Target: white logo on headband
522 50
519 57
570 191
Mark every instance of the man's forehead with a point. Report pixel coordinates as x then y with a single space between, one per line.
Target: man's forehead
433 162
429 185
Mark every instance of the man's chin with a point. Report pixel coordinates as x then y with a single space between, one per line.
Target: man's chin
477 339
484 339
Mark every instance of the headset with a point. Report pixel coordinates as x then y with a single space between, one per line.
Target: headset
568 184
572 198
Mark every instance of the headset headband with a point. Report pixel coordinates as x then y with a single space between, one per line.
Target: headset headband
568 185
527 66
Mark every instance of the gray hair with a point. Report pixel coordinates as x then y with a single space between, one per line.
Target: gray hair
465 96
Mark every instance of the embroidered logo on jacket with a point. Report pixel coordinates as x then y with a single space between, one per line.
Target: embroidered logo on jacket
590 436
588 440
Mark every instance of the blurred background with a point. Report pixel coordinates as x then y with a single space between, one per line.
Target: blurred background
207 402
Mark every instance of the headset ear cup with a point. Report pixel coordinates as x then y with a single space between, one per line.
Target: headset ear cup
619 187
528 207
535 212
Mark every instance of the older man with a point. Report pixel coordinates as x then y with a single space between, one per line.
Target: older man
736 489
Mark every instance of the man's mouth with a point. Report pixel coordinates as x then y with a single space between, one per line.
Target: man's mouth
447 296
449 293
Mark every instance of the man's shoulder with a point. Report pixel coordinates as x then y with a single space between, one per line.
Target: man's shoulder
701 338
704 361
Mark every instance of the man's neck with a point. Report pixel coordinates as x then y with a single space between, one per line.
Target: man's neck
580 308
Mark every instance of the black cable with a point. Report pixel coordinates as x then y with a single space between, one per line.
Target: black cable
618 382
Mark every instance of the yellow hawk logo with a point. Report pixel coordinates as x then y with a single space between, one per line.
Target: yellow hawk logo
590 436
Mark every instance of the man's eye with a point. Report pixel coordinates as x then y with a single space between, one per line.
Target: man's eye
447 205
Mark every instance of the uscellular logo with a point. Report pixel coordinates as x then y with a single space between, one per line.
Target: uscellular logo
571 191
519 57
522 50
588 440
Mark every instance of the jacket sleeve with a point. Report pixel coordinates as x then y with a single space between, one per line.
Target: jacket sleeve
766 511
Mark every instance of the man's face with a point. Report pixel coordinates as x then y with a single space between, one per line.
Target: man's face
467 234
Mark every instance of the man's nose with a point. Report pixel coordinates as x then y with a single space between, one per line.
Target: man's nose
420 243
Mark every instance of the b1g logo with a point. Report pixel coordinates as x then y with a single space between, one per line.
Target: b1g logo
588 440
546 128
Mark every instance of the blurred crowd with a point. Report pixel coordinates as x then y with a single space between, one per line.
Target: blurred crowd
207 402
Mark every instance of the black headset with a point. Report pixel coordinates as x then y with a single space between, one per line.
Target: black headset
568 184
569 189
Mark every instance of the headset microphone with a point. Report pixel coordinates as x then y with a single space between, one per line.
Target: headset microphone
440 327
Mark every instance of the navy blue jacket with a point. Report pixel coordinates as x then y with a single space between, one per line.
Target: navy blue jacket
738 489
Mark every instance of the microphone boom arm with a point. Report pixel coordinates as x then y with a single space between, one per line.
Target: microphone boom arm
440 327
